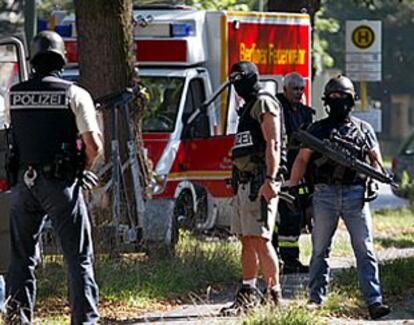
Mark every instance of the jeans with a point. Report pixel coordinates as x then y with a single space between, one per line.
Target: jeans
347 201
63 203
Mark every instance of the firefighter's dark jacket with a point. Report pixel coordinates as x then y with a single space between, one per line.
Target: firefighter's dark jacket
293 120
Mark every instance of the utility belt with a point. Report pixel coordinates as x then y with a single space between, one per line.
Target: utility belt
254 178
53 170
65 166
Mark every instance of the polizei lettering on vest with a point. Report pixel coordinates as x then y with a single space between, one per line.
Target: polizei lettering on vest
243 139
38 99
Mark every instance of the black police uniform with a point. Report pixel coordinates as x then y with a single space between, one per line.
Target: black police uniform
355 132
45 144
286 236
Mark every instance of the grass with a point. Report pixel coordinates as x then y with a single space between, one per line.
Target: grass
392 228
294 314
346 299
134 283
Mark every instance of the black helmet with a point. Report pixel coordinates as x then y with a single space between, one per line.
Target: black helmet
245 77
340 84
48 48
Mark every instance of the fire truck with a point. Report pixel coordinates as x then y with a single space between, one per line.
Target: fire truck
184 55
190 53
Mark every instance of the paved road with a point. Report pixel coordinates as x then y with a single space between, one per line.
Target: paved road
387 200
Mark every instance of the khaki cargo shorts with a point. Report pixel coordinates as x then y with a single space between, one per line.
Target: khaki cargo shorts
246 213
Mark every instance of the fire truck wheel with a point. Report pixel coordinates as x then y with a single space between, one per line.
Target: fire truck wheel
185 214
184 211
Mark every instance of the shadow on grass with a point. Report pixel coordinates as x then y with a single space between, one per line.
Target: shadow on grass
137 281
396 279
404 240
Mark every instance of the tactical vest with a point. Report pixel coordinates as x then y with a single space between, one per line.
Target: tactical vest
41 120
249 140
327 172
293 119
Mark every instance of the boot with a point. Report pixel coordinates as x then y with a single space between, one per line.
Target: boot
246 298
378 310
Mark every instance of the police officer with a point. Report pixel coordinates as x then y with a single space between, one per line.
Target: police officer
339 192
47 116
257 145
286 237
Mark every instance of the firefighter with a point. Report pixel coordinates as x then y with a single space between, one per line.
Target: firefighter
48 172
286 236
256 151
340 192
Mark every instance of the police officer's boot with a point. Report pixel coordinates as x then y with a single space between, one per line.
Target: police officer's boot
378 310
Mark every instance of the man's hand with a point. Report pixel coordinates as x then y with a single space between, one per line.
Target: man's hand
88 180
268 190
296 207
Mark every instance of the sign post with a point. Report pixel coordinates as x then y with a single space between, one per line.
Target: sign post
363 57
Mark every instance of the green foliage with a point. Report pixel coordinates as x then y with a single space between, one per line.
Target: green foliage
243 5
407 187
45 7
321 57
397 48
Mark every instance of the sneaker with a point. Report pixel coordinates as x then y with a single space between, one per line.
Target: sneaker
295 266
313 304
378 310
246 298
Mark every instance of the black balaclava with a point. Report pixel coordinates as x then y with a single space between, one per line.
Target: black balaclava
339 108
247 84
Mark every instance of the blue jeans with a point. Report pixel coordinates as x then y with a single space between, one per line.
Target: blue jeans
64 204
347 201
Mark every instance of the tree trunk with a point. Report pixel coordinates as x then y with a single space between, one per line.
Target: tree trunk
107 65
306 6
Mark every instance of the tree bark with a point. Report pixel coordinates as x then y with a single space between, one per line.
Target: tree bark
107 65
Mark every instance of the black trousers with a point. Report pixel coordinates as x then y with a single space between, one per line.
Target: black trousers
286 236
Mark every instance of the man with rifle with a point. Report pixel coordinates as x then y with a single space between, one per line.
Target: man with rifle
256 156
339 173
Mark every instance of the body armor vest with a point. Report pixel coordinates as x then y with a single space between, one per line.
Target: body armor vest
41 119
249 140
327 172
293 120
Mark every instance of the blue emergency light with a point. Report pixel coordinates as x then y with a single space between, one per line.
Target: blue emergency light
181 30
62 30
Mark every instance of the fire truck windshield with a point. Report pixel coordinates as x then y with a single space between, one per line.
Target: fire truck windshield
164 100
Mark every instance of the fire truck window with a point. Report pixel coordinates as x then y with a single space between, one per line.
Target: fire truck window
200 128
164 100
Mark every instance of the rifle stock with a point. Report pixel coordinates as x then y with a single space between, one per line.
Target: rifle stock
335 153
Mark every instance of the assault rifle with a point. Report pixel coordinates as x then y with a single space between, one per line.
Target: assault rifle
341 155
